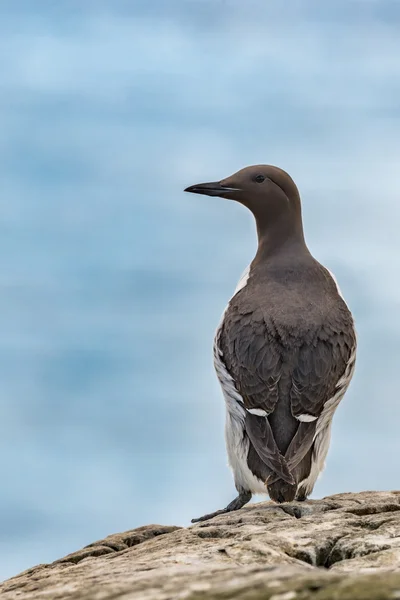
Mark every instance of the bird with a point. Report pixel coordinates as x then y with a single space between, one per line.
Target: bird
285 349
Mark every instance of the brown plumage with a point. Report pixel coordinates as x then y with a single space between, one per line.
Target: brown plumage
285 350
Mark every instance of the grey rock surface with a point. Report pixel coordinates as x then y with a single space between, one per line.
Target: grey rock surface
345 546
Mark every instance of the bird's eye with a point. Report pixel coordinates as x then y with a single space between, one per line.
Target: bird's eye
259 178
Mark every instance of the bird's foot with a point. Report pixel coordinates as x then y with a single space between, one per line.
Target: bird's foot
236 504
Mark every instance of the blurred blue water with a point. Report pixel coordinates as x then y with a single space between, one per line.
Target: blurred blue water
112 280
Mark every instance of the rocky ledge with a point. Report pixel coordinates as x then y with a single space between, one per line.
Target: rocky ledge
341 547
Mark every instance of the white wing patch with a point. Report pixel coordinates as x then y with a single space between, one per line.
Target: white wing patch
306 418
259 412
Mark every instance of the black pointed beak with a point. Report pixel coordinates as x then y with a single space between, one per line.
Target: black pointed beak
210 189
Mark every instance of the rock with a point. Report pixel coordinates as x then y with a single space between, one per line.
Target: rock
341 547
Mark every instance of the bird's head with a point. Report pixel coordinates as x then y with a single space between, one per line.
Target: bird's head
269 192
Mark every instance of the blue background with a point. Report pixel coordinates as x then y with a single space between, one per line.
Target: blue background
113 280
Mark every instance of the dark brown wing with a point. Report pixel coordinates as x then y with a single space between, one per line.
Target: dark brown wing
252 357
255 363
320 365
323 372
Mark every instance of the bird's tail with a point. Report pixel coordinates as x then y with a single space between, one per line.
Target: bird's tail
298 459
281 491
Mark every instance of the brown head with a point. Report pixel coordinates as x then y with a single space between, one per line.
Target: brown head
271 195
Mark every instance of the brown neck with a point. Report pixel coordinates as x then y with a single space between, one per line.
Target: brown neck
283 236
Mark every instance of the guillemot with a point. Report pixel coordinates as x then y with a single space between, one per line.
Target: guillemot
285 349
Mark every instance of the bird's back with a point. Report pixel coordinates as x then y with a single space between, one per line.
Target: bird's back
286 339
